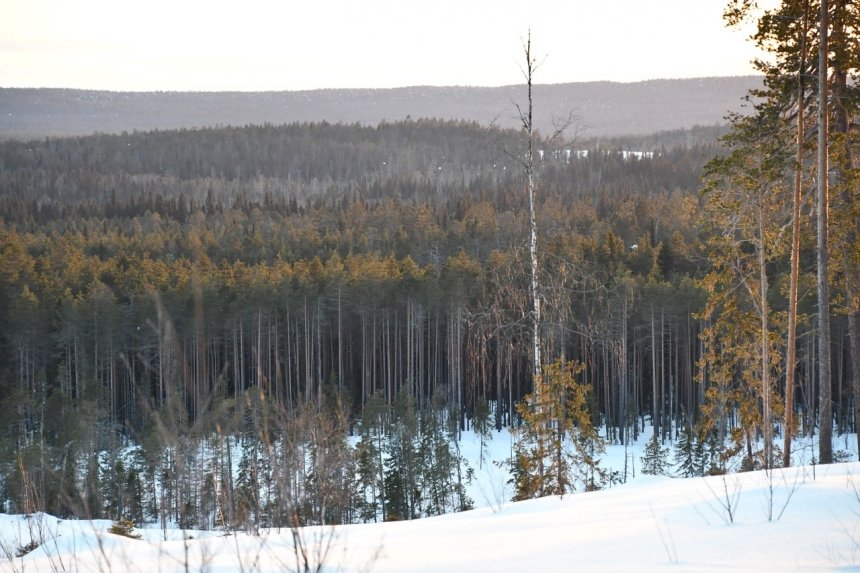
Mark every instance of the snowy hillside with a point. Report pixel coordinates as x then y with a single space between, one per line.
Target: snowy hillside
804 518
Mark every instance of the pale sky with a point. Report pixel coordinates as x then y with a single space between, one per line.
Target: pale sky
250 45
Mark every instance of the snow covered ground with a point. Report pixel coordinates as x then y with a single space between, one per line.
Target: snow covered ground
802 518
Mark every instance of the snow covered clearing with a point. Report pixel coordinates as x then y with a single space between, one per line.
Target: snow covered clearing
800 518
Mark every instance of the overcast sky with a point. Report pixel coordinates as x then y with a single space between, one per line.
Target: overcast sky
249 45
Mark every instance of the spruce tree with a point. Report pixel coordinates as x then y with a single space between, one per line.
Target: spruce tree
689 454
248 487
557 447
402 464
394 488
483 426
655 458
367 481
369 451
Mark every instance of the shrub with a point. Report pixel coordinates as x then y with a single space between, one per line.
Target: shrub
124 527
26 548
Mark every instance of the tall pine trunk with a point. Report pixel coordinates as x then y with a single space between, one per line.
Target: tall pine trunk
825 407
791 342
767 426
844 167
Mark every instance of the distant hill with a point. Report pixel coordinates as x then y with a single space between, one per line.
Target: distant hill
604 109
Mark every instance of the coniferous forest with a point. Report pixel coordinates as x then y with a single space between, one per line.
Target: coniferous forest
270 325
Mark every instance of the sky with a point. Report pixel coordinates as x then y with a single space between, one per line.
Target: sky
253 45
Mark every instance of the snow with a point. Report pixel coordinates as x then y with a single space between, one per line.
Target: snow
803 518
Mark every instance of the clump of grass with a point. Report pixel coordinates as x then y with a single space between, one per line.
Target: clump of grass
26 548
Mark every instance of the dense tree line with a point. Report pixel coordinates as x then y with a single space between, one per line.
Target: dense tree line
763 247
263 292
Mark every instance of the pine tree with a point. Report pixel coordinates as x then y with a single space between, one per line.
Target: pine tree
745 213
798 45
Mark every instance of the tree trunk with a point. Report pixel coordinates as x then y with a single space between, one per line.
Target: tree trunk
655 420
766 425
791 342
530 188
825 408
846 165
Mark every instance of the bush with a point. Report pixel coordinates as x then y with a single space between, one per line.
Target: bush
27 548
124 527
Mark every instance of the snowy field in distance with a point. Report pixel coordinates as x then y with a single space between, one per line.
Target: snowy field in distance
648 524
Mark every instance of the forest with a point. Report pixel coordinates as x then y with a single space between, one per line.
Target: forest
240 327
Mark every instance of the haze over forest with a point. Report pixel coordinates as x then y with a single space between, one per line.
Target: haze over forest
600 108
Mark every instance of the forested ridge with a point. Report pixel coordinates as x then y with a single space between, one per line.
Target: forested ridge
608 108
174 299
